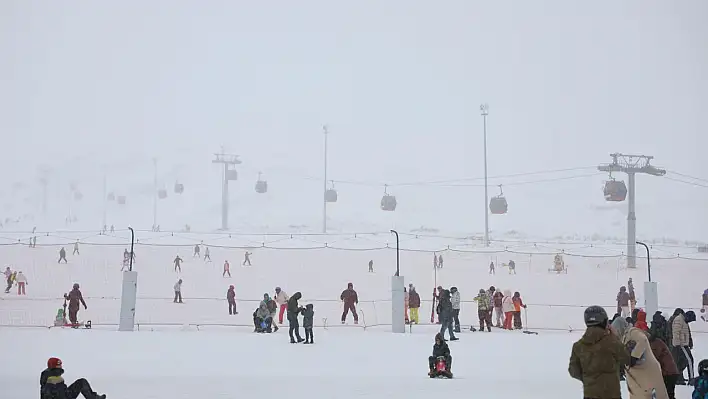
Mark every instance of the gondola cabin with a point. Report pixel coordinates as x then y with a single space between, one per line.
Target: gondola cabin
388 203
232 175
615 191
179 188
498 205
331 195
121 200
162 193
261 187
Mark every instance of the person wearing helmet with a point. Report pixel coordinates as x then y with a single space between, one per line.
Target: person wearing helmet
597 357
231 299
644 370
52 385
700 390
75 298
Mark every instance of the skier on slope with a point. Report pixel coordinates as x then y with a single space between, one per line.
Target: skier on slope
76 248
281 298
178 263
247 258
350 299
227 269
196 251
207 256
62 255
231 299
75 298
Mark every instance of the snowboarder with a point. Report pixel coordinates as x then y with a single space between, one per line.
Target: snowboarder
247 258
227 269
178 291
62 255
414 303
231 299
350 299
484 310
308 317
76 249
440 350
492 269
455 299
371 266
196 252
75 298
178 263
207 256
293 310
281 298
21 280
512 267
623 302
52 385
597 358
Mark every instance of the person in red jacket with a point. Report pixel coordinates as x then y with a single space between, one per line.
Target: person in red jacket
350 299
74 297
641 322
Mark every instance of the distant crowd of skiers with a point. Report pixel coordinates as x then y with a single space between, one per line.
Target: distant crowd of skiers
652 359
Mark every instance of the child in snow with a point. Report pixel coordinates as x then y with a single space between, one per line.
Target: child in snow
700 390
60 319
307 321
52 385
440 349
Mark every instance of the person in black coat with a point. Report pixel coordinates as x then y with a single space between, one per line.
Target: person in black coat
308 318
52 385
293 310
445 315
440 349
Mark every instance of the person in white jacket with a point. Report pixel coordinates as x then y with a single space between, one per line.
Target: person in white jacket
281 298
508 308
21 281
455 299
178 291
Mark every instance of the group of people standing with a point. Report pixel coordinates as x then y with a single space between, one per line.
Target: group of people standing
628 349
506 306
15 278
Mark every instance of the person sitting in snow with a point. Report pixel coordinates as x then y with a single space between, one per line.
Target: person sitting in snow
262 319
52 385
440 349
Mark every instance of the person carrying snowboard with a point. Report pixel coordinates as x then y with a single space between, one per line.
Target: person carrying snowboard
350 299
440 349
62 255
52 385
75 298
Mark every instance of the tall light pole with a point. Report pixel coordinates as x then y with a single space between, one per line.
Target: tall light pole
484 108
398 254
324 188
648 258
154 194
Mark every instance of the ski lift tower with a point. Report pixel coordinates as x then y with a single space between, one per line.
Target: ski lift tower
631 165
230 174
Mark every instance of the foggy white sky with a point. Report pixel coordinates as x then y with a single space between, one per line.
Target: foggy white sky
398 83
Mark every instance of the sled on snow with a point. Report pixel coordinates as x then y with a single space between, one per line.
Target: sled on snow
440 370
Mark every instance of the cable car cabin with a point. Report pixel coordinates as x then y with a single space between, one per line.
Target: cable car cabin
388 203
111 197
331 195
261 186
162 193
231 175
179 188
498 205
78 196
121 200
615 191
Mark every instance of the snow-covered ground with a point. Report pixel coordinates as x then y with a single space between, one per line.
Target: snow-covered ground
218 356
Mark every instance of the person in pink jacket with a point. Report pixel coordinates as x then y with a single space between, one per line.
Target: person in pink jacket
508 309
